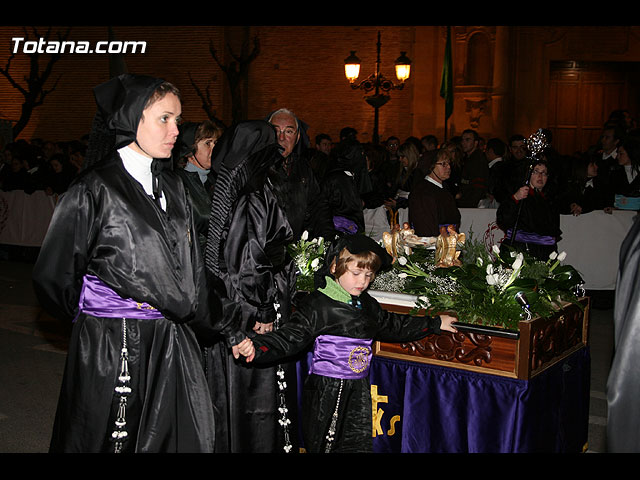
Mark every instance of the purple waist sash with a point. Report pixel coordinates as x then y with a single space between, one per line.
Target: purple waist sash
99 300
341 357
526 237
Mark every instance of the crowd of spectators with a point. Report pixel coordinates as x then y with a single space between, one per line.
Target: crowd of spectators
40 165
484 173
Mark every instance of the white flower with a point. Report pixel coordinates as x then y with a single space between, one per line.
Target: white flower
402 275
402 260
562 256
553 255
305 235
490 269
479 261
315 263
518 262
491 279
496 249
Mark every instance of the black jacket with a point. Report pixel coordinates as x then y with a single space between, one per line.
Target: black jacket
316 315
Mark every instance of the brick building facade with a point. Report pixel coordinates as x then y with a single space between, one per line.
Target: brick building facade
503 77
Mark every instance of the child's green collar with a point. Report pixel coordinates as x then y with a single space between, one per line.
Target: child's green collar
335 291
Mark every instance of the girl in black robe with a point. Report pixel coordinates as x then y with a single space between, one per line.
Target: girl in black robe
341 320
122 262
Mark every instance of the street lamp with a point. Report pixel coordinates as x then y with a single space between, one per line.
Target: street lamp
376 81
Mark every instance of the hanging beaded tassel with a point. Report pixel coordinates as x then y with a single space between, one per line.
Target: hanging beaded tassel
282 388
331 436
123 390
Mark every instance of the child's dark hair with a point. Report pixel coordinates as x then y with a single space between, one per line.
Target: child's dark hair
366 260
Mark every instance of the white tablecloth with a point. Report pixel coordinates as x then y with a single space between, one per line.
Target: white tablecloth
24 218
592 241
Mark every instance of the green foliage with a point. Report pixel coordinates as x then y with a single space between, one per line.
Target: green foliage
483 290
308 256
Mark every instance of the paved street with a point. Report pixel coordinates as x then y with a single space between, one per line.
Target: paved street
33 348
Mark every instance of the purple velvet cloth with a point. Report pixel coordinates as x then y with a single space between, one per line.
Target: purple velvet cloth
435 409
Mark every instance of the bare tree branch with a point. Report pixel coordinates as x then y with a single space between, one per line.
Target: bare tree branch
34 92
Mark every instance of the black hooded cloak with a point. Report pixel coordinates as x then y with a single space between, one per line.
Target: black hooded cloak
341 188
246 249
107 227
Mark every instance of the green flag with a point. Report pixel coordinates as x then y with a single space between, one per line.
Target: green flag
446 85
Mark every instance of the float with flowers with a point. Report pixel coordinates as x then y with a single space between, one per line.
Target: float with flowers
517 315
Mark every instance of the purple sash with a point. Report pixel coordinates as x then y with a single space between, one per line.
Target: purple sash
99 300
344 225
341 357
526 237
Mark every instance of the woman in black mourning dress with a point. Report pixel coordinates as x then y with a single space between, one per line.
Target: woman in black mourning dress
530 217
246 249
120 260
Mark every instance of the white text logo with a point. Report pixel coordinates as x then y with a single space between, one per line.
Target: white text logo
67 46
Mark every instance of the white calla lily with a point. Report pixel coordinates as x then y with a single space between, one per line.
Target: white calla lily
517 263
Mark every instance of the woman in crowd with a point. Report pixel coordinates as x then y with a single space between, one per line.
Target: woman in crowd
409 156
431 204
530 218
58 174
119 261
193 149
586 190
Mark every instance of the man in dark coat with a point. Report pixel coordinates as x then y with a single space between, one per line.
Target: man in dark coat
475 171
296 186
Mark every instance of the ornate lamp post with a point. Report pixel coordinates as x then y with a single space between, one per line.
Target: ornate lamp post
376 81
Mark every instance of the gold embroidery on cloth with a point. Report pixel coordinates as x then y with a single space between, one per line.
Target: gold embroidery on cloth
358 359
